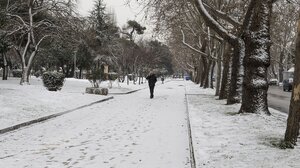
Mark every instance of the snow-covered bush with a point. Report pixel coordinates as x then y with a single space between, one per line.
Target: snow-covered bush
97 91
112 76
17 73
53 81
94 76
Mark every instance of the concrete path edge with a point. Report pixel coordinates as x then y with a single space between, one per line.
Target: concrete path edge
41 119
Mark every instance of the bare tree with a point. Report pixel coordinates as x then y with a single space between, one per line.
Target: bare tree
283 37
292 129
32 28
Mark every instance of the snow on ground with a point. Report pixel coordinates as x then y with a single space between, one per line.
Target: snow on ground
129 131
133 131
223 138
23 103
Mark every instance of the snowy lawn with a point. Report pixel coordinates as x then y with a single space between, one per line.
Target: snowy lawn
23 103
222 138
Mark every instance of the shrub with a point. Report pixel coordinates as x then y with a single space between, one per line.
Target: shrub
17 73
37 74
113 76
94 76
97 91
53 81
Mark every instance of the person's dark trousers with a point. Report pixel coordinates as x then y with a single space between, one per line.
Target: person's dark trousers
151 91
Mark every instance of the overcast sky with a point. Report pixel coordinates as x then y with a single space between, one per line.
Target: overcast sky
123 12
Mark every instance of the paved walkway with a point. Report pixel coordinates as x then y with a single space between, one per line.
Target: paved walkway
130 131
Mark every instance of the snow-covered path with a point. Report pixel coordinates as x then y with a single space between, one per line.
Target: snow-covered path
130 131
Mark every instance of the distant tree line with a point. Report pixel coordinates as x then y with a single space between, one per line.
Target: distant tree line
39 35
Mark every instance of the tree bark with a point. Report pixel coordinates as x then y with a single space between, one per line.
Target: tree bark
234 93
292 129
257 58
5 68
226 66
281 69
199 70
80 73
212 74
219 71
206 81
203 74
25 76
274 72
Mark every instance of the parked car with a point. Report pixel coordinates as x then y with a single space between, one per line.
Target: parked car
273 81
287 84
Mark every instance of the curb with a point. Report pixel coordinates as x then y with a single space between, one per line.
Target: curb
191 147
41 119
126 92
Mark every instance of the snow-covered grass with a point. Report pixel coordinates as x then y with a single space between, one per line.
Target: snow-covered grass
23 103
223 138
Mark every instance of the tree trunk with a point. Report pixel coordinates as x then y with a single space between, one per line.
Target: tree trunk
225 75
80 73
212 74
234 93
274 72
257 59
281 69
25 76
203 74
207 78
219 72
199 70
292 129
5 68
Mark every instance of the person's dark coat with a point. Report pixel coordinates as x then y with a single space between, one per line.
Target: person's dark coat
151 79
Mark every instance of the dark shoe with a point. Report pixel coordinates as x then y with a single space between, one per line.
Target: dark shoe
151 96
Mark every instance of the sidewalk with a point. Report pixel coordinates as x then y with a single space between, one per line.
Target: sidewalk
224 139
130 131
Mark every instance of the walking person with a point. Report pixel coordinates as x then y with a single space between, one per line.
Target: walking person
151 81
162 80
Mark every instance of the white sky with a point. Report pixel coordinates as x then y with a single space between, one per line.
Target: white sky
123 12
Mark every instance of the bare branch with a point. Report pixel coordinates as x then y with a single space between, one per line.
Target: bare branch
191 47
213 23
223 16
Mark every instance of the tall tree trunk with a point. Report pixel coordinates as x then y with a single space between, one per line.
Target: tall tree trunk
281 69
212 74
234 93
25 76
205 64
274 72
5 68
225 75
206 82
204 72
219 71
292 129
80 73
199 71
257 58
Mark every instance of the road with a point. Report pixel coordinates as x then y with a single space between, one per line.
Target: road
278 99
